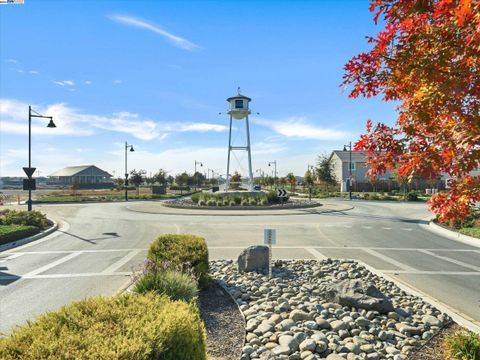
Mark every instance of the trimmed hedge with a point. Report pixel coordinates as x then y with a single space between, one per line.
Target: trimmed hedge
185 251
14 232
174 284
126 327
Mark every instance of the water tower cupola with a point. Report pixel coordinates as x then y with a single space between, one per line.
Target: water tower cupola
239 106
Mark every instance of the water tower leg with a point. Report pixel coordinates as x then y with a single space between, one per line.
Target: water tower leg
250 173
227 183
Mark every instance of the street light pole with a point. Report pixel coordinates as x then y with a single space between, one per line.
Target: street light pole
275 172
126 168
349 168
29 171
194 174
309 185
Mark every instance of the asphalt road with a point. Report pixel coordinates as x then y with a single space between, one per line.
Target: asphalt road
98 245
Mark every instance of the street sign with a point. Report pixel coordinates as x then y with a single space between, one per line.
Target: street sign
282 193
270 236
29 171
29 184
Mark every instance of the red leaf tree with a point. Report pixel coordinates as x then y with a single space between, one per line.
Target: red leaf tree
426 59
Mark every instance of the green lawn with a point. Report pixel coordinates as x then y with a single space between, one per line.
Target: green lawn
470 231
10 233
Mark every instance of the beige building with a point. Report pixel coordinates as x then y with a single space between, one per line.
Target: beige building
84 176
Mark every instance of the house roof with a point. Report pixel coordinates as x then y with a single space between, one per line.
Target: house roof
239 96
357 156
76 170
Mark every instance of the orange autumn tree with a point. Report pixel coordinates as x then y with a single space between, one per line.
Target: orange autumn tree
426 59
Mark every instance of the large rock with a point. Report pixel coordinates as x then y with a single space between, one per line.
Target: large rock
360 294
254 258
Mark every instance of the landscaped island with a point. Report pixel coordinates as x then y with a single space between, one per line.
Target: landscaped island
15 225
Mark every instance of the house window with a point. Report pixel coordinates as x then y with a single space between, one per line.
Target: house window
352 166
238 104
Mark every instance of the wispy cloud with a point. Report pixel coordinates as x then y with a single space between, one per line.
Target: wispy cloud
64 83
12 61
71 121
144 24
87 82
34 72
117 82
300 127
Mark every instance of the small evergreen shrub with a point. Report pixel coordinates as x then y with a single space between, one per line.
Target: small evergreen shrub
174 284
201 203
252 201
232 203
272 197
185 251
245 202
196 197
264 202
126 327
411 196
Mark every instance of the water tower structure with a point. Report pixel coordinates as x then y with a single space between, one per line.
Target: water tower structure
239 111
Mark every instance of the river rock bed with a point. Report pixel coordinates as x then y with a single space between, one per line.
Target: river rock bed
290 316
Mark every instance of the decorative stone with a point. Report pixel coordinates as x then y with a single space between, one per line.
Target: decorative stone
254 258
360 294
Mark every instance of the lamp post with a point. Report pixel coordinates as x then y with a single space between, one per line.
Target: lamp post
194 174
126 169
274 162
29 171
349 168
310 185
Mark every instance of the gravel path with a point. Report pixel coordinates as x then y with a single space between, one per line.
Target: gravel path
224 324
291 316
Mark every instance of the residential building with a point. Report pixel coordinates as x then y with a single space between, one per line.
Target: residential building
340 161
84 176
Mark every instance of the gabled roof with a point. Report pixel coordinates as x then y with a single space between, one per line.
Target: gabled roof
357 156
76 170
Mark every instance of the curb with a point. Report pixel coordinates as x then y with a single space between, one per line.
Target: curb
452 235
24 241
461 319
249 207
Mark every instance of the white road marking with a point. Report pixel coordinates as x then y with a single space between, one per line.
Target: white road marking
406 229
366 227
318 255
386 228
52 264
325 237
177 227
11 257
432 272
116 265
60 276
389 260
453 261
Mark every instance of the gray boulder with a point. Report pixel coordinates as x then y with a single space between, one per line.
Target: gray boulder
360 294
254 258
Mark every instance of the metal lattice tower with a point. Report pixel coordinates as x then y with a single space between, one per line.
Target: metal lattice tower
239 111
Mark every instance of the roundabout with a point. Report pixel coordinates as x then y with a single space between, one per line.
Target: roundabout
165 208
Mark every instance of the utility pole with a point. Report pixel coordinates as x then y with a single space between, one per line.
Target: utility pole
349 168
126 169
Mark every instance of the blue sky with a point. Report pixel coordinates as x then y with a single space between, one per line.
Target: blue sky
157 73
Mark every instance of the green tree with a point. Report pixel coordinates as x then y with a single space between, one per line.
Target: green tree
309 181
160 177
292 180
325 171
119 183
137 178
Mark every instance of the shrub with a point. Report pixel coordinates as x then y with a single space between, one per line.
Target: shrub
411 196
186 251
174 284
264 202
125 327
245 202
232 203
272 197
211 202
202 203
196 197
27 218
463 346
237 199
252 201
